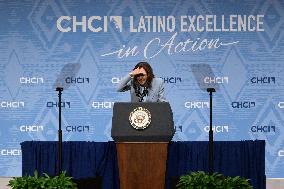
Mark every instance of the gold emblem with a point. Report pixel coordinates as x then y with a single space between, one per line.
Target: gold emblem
140 118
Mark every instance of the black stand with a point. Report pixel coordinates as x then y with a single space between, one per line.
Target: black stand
211 143
59 89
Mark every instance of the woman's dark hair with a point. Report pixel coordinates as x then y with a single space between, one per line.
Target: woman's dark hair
149 71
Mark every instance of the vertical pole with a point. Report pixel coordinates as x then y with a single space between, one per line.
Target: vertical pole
211 141
211 146
59 89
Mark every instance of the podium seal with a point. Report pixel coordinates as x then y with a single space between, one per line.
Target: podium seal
140 118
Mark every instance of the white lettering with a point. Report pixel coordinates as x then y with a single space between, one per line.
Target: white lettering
11 152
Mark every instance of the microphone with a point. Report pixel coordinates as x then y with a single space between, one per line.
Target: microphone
142 95
145 91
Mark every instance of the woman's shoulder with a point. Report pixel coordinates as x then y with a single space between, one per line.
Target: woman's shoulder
157 81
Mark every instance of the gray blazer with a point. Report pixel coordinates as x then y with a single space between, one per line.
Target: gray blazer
155 93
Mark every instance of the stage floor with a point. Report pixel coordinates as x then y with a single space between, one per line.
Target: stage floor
270 183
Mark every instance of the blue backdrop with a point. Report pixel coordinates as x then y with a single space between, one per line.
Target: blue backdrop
242 42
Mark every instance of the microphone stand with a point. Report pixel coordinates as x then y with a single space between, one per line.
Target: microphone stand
211 142
59 89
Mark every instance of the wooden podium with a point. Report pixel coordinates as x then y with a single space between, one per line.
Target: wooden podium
142 153
142 165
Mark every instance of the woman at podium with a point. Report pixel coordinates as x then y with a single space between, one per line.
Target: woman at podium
142 84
